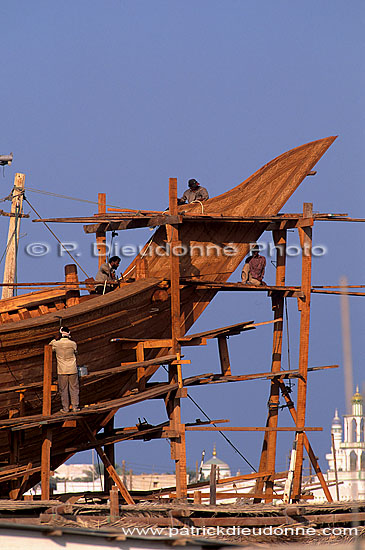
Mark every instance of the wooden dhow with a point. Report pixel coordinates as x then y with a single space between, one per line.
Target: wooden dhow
141 309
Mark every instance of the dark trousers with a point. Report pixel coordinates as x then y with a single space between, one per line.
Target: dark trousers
68 386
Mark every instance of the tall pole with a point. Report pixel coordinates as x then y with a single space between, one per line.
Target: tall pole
101 235
173 406
268 453
305 235
13 235
346 345
46 431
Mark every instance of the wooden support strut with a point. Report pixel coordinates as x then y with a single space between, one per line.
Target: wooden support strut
107 464
224 355
73 292
173 406
110 453
268 453
305 234
308 447
46 430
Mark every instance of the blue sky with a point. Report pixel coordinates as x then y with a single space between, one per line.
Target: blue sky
118 96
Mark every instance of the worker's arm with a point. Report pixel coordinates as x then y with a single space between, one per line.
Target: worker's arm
203 194
183 199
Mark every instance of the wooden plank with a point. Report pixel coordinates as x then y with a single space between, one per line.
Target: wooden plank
131 343
21 473
224 355
213 333
289 291
131 223
224 481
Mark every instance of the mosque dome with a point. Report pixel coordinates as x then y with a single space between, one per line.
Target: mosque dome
336 420
224 469
357 397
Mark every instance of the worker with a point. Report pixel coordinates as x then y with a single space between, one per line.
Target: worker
195 193
254 268
106 275
68 378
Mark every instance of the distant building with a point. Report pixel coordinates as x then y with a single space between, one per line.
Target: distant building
350 452
80 478
222 467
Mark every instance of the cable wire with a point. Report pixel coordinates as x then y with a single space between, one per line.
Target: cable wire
219 431
57 239
223 435
50 194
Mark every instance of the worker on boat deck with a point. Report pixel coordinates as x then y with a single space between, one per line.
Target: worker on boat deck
195 193
68 378
254 269
106 275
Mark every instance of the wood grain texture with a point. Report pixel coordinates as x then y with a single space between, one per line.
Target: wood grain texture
130 311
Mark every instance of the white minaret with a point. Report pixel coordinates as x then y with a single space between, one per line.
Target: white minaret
336 430
350 452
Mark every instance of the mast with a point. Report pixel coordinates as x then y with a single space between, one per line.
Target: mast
13 235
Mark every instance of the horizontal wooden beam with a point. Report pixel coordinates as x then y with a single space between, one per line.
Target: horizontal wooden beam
240 287
251 429
165 359
231 495
20 473
13 214
222 378
230 330
338 292
133 223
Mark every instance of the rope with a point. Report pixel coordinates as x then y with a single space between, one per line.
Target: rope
57 239
223 435
201 204
49 193
219 431
7 247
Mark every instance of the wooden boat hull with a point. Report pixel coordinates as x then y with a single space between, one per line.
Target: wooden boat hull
133 312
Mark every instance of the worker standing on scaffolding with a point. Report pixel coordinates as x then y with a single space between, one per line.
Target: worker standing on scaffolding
68 378
195 193
106 276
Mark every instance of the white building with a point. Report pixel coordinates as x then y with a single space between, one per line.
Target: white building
222 467
349 446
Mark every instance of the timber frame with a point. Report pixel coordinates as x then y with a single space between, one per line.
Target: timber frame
176 388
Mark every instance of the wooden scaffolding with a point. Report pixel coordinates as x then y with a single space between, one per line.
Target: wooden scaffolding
176 388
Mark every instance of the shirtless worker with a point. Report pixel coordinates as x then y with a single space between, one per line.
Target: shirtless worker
68 378
254 269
